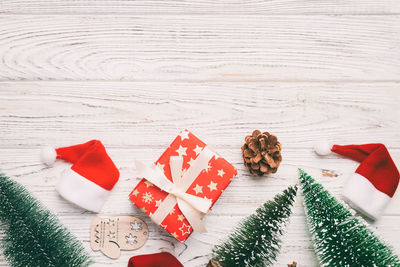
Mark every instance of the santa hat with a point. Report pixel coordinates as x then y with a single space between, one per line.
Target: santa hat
374 182
162 259
90 179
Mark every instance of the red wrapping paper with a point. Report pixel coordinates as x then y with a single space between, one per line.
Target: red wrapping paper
210 183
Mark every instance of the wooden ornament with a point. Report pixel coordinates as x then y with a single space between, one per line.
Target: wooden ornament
113 234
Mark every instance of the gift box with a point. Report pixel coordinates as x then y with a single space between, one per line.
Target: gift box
182 185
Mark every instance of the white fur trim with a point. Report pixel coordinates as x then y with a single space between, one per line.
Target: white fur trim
81 191
360 193
323 148
48 155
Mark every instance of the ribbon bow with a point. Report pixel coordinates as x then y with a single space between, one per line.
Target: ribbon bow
192 207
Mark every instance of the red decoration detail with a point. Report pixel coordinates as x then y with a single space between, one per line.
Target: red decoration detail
172 223
91 160
376 165
163 259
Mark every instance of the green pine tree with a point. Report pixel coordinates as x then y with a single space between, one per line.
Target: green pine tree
256 241
32 235
339 238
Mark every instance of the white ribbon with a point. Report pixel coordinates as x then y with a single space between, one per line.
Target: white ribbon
192 207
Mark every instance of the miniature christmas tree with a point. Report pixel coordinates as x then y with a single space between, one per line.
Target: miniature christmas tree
256 241
339 238
31 234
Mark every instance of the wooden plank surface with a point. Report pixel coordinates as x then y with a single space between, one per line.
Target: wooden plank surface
271 7
299 113
135 73
200 47
137 120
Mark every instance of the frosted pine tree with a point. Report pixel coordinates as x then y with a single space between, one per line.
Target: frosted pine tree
339 238
256 240
31 235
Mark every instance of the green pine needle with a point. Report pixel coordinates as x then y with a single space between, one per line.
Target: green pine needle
256 241
339 238
33 236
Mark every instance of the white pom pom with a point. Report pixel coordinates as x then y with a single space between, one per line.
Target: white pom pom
323 148
48 155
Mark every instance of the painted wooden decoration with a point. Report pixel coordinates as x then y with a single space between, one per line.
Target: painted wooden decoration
113 234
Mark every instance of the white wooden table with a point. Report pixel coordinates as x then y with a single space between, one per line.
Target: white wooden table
135 73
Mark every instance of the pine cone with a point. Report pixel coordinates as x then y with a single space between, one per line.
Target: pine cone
262 153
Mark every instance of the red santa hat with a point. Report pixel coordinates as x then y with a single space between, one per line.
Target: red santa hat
90 179
162 259
374 182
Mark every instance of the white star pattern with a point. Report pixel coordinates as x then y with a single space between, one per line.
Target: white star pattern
131 239
198 189
212 186
148 183
181 151
158 202
207 169
135 192
111 222
198 149
111 235
206 198
191 161
185 229
214 171
147 197
184 135
161 166
172 211
136 226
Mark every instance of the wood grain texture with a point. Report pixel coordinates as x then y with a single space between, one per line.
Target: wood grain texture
271 7
137 120
59 113
135 73
200 47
